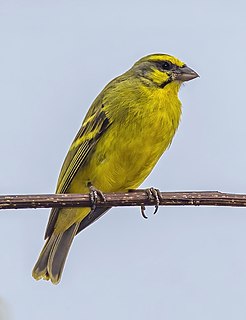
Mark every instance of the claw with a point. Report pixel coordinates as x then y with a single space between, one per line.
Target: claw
142 207
143 212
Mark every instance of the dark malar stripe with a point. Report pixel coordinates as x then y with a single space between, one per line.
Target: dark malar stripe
162 85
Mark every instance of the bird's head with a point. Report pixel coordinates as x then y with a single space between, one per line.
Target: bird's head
162 69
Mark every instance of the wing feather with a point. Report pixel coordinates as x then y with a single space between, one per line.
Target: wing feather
94 126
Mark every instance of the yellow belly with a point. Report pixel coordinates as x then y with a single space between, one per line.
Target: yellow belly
126 162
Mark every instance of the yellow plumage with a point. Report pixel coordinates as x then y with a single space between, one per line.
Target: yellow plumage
126 130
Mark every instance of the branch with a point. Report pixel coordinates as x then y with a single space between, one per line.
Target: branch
135 198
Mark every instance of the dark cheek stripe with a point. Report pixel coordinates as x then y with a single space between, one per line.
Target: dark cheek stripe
162 85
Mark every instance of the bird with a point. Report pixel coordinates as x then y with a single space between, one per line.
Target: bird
124 133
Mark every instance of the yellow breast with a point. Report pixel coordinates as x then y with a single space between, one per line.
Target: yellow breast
128 151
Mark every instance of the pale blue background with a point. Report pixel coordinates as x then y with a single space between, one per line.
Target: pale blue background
184 263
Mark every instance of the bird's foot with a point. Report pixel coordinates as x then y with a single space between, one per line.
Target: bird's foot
155 194
94 195
152 194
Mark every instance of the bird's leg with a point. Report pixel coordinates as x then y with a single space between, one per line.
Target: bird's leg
94 195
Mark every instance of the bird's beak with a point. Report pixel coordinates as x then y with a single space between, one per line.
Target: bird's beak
185 74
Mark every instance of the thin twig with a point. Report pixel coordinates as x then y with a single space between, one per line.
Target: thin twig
135 198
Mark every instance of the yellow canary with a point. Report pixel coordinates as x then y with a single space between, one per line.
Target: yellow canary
126 130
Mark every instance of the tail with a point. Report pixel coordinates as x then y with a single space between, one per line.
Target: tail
52 258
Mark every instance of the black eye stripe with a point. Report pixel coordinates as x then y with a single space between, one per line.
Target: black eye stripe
164 65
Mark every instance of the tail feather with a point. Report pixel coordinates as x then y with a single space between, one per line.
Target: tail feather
52 258
40 268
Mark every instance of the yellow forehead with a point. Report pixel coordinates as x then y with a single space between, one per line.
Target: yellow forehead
162 57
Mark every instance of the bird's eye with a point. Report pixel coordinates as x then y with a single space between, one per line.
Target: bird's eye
166 65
